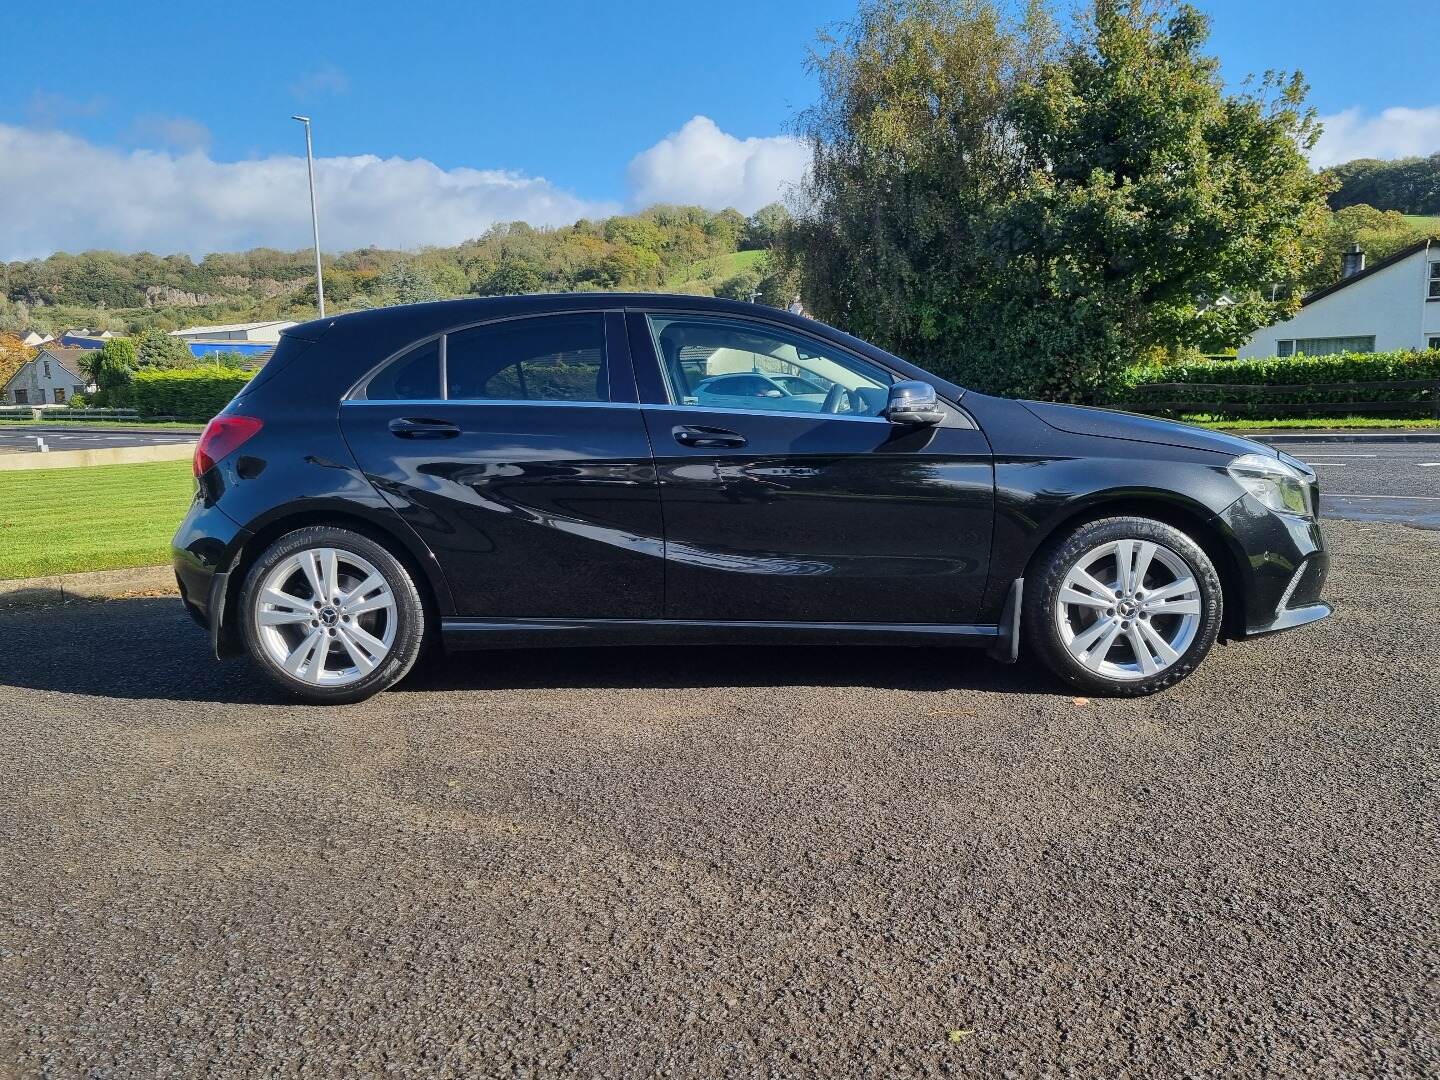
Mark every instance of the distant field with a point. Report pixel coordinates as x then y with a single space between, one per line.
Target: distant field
713 271
1424 221
57 521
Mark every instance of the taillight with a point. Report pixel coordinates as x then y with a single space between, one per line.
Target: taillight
221 438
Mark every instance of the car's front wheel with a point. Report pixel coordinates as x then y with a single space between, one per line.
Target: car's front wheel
1123 606
331 616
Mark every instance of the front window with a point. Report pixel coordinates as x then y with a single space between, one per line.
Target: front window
719 363
1331 346
1285 348
22 397
1435 281
59 396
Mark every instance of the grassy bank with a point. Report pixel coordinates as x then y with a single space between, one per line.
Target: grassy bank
56 521
1319 423
148 425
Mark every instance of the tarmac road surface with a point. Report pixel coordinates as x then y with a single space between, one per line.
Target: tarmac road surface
727 862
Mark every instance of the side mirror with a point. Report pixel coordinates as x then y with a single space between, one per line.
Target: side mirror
913 403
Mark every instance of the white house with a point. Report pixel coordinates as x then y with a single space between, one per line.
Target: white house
1394 304
53 377
32 338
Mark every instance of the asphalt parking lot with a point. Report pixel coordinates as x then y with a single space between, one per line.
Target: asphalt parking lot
22 440
727 863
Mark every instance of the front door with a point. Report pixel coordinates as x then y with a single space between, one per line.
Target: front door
515 449
788 498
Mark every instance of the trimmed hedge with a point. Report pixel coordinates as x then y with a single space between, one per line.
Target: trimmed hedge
1297 374
196 393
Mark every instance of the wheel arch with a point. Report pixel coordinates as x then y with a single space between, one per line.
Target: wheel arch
433 590
1192 519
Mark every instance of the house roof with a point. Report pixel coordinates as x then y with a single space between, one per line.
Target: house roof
1399 256
70 358
227 328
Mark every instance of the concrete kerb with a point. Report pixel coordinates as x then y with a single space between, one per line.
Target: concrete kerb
109 455
22 593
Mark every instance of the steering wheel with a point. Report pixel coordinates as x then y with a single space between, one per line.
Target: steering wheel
833 399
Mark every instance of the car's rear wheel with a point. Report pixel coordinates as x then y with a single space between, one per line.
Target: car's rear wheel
1123 606
331 616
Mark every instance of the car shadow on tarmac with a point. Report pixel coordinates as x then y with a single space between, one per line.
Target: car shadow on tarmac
149 648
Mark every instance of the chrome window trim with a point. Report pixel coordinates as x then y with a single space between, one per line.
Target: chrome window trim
769 412
495 401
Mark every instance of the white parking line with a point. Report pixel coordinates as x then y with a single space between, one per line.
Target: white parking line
1428 464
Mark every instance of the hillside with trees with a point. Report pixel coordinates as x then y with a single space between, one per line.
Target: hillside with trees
1407 185
671 248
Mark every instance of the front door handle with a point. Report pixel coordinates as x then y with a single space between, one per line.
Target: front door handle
416 427
708 438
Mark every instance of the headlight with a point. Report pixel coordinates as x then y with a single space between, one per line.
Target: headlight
1273 483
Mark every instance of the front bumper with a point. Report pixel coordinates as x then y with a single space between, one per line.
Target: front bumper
1283 563
204 552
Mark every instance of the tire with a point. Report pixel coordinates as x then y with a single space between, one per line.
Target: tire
1090 643
364 641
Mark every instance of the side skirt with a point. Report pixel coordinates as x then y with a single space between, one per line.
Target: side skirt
460 634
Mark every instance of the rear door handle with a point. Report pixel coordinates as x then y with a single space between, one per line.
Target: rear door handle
416 427
707 438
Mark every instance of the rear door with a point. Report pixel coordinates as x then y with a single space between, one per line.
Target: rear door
806 507
518 453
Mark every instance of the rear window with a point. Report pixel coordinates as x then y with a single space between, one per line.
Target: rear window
549 358
415 376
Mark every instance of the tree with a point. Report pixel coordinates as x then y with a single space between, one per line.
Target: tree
765 228
1410 185
13 356
408 284
1379 233
1030 217
157 349
112 366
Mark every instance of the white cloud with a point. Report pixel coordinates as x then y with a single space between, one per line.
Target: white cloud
325 79
1393 133
60 192
179 132
702 164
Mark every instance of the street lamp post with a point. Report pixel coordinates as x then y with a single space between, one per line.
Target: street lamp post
314 216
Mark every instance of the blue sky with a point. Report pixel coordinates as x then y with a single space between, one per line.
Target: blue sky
573 101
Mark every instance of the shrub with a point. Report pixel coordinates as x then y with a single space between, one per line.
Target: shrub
195 393
1297 375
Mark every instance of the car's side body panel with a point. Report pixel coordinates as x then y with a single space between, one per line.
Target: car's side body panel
560 524
816 517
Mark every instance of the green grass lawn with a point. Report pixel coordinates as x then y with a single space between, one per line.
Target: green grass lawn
56 521
1424 221
713 271
148 425
1315 423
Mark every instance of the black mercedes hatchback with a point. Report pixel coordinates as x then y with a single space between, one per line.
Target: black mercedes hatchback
625 469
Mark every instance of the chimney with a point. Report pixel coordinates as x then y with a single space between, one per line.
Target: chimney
1351 262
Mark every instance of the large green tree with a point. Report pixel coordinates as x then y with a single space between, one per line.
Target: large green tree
1029 216
112 366
157 349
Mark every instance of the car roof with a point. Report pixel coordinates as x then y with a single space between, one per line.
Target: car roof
377 332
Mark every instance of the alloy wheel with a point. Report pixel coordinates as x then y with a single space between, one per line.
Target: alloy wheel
326 616
1128 609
